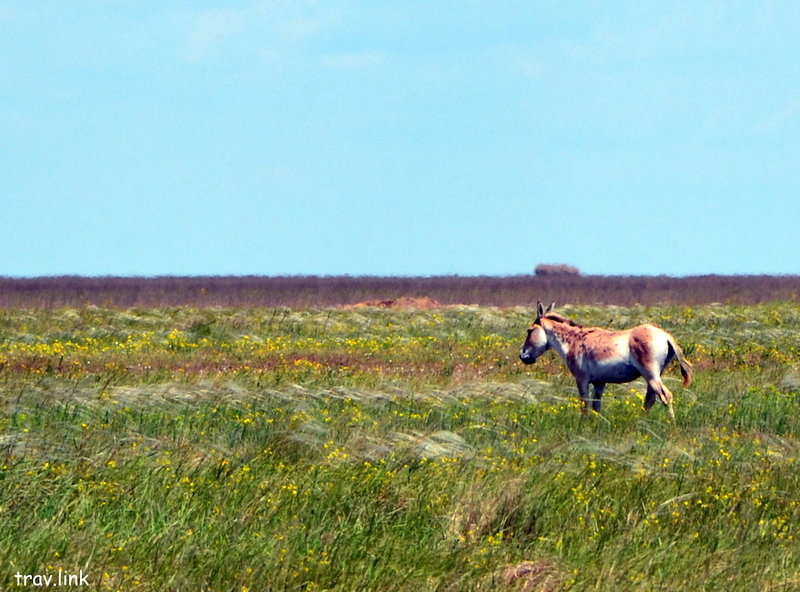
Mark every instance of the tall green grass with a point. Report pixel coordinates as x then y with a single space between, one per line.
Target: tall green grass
272 449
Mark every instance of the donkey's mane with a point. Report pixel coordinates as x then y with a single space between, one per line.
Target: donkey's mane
554 316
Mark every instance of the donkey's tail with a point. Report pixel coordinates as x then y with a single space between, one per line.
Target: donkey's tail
686 367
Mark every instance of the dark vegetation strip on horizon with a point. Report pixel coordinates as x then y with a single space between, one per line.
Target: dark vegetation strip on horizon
326 291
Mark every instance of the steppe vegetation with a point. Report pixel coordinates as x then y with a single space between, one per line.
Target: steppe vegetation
365 448
321 292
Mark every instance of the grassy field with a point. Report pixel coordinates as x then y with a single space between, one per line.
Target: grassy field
378 449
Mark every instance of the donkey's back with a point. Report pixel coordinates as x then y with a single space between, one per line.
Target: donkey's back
622 356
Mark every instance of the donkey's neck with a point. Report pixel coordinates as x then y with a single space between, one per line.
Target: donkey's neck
560 336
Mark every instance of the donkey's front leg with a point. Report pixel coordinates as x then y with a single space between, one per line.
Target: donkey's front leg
599 387
583 391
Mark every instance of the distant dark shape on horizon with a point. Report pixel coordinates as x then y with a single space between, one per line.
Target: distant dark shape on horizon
549 269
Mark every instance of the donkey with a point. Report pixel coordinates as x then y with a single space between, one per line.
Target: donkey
598 356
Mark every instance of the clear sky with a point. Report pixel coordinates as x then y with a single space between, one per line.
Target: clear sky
140 137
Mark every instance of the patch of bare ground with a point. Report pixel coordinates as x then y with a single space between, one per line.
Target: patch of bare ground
540 575
403 303
532 576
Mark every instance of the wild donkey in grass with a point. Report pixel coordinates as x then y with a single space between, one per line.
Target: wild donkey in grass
598 356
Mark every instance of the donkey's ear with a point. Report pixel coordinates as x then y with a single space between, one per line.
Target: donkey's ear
539 310
550 308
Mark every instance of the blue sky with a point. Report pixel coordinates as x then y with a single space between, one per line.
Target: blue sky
398 138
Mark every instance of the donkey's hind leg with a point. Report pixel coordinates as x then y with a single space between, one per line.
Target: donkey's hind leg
657 389
649 397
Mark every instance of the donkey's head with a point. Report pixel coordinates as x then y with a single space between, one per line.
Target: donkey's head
536 342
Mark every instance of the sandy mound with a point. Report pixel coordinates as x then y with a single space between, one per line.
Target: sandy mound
402 303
